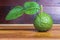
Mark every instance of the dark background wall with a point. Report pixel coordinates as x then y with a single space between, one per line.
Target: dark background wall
50 6
7 5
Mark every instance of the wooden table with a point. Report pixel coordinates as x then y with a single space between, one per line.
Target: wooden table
28 32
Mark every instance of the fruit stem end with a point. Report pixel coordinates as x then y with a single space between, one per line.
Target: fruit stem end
41 8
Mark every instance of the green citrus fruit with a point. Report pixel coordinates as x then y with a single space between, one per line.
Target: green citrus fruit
43 22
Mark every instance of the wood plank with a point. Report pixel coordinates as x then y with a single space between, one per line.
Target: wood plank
27 39
29 33
22 26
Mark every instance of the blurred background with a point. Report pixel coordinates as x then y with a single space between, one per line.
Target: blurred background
51 7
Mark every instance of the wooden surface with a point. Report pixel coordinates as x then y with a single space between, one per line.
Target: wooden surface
29 32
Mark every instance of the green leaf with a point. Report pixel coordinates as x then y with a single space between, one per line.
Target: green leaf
31 8
15 13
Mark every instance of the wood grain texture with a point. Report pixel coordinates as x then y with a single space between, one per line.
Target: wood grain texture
29 32
21 26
